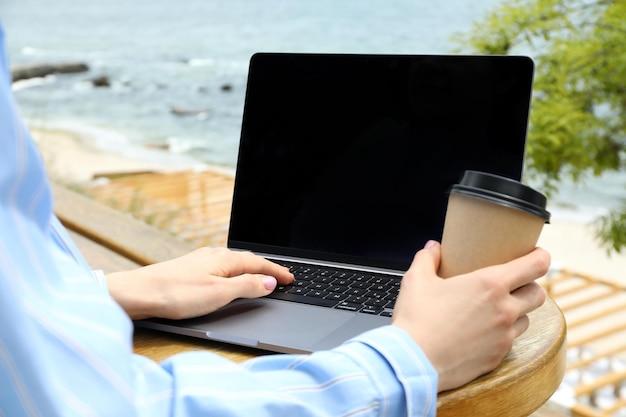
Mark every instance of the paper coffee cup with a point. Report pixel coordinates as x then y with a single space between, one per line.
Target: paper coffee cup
490 220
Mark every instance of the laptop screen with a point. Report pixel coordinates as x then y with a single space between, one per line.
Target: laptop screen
349 158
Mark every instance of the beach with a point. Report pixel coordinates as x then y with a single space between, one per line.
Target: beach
73 158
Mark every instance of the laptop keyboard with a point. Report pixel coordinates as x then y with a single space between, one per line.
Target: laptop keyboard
342 289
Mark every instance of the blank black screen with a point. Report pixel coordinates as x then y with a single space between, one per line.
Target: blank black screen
350 157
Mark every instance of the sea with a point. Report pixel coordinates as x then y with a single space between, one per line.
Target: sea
177 69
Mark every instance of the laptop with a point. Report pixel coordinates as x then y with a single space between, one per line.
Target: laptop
344 165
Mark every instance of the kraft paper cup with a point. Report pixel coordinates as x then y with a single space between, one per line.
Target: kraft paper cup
490 220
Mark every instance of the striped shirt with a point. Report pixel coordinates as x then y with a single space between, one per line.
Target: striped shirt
66 346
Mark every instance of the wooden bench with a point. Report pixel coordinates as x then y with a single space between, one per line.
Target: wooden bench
113 241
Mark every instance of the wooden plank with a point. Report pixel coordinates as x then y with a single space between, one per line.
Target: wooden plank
179 184
619 405
590 337
586 301
596 316
100 257
611 378
582 410
119 232
597 280
581 363
574 289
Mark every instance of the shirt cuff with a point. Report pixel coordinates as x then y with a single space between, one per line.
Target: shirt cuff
409 363
101 279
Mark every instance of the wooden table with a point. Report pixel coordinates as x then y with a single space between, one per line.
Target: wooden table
524 381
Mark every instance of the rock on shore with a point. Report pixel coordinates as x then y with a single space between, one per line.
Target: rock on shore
41 70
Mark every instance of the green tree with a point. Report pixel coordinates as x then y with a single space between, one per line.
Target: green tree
578 117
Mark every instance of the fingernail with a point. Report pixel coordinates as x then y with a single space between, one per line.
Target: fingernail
430 244
269 283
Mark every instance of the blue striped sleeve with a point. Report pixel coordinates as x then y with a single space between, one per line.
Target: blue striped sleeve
380 373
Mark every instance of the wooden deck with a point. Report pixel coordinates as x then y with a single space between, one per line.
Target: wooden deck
595 312
195 207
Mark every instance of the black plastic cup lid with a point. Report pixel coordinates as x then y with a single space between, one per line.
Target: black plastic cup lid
504 191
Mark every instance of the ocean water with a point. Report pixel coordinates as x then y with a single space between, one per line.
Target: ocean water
193 55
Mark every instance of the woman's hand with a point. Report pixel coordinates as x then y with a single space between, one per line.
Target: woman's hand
195 284
466 324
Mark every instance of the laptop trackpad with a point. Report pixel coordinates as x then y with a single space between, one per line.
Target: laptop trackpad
273 323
